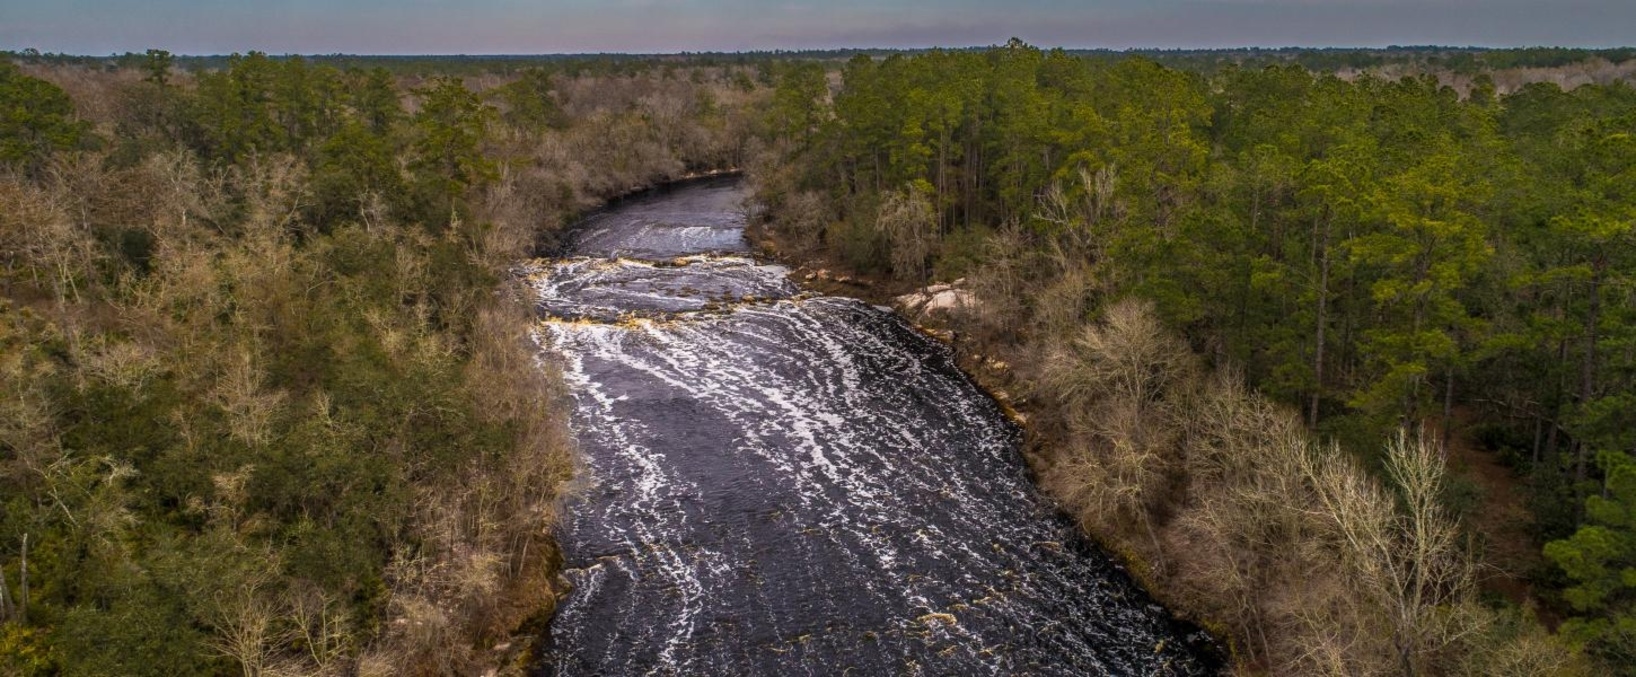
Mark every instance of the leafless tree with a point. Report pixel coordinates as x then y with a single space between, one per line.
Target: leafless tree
910 224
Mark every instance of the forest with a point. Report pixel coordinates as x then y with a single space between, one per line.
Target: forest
1265 322
269 401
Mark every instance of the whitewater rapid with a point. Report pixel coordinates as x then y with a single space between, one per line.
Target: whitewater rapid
781 483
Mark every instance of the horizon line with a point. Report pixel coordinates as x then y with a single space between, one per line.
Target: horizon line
782 50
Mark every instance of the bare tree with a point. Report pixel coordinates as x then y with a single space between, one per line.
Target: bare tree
1407 561
910 224
1121 382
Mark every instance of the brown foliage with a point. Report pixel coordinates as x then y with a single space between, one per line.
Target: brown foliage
1120 383
486 557
1308 562
161 268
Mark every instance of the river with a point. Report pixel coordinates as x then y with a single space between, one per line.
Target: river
781 483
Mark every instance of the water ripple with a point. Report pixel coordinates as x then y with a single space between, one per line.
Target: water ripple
787 485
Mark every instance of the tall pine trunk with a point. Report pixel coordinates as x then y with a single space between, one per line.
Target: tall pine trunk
1587 368
1323 320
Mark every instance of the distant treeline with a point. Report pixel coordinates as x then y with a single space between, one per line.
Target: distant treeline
1462 60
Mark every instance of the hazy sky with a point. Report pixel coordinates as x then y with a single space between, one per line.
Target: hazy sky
548 26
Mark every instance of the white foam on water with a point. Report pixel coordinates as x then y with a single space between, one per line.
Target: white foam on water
607 289
803 486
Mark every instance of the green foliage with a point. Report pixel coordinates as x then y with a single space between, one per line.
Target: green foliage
258 105
530 102
1600 559
261 408
234 109
354 167
375 99
36 120
24 650
1335 238
798 101
167 509
1379 252
158 66
259 401
143 632
1431 247
447 157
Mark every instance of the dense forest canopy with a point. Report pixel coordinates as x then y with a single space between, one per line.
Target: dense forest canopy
1375 253
268 400
264 411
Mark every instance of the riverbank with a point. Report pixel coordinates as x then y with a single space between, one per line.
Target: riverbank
807 471
1215 305
1216 498
550 239
989 365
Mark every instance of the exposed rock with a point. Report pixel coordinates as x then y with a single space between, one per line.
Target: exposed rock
949 299
937 298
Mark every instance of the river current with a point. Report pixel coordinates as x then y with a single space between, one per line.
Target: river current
779 483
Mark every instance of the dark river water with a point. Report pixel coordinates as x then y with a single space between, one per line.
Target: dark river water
784 484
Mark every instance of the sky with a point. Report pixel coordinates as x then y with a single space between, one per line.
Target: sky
99 27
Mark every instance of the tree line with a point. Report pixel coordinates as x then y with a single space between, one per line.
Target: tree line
1466 61
1375 255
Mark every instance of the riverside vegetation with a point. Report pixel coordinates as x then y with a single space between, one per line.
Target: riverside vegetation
268 399
269 405
1246 309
